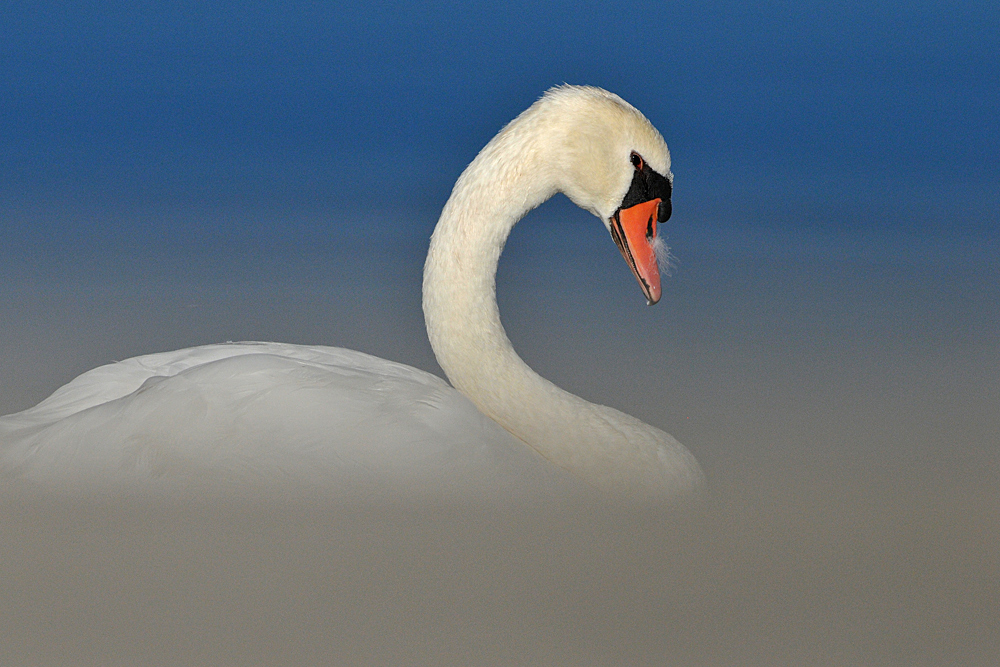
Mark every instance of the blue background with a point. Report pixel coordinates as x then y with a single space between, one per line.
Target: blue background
189 173
311 104
827 345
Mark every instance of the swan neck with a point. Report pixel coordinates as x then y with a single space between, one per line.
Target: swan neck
525 164
504 182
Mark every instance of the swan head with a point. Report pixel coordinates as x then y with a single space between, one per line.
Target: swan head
609 160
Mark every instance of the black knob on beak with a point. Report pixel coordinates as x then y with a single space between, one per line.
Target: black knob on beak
664 210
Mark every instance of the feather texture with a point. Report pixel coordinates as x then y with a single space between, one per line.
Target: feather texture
269 412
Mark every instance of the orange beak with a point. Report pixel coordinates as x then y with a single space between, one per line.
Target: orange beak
634 229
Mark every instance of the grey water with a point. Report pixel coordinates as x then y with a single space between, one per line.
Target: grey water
839 386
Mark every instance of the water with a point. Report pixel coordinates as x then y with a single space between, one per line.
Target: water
842 402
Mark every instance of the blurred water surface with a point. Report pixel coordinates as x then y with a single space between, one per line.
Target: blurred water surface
839 387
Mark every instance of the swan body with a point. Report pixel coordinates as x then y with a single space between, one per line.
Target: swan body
329 416
268 413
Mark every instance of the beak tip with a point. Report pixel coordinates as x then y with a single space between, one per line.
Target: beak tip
652 297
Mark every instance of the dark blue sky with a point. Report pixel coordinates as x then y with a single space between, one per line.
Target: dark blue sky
308 106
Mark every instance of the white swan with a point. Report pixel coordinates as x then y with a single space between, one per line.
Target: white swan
269 411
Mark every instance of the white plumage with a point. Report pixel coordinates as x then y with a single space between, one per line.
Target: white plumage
266 413
270 412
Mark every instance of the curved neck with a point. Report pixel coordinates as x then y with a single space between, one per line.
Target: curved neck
513 174
502 184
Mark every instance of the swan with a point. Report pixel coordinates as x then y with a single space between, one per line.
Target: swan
270 411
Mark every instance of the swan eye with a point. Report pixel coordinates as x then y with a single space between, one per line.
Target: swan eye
636 160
